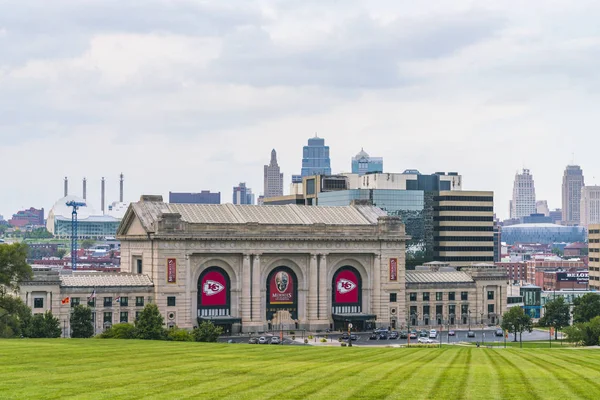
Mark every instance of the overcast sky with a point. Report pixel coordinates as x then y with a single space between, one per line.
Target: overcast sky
192 95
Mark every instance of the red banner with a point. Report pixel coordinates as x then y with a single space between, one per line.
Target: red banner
393 269
214 289
281 288
346 287
171 270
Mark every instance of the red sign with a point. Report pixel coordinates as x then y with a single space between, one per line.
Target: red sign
171 270
214 289
393 269
281 288
346 287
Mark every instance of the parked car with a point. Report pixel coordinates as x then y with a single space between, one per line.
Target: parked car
253 341
383 336
451 332
373 336
263 340
499 332
380 331
403 334
470 334
413 334
433 334
423 333
425 340
393 335
275 340
345 336
353 337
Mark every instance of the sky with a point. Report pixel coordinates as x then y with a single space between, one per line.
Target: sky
193 95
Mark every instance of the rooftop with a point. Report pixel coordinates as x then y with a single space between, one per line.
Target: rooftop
437 277
105 280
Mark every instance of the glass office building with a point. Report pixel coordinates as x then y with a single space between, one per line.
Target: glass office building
315 158
542 233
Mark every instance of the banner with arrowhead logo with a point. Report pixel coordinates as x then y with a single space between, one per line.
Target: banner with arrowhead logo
346 287
214 289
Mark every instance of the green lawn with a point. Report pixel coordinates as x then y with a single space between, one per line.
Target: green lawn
114 369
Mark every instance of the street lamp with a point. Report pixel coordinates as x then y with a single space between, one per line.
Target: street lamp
482 333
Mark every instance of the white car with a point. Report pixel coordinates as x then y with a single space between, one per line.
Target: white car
425 340
433 334
263 340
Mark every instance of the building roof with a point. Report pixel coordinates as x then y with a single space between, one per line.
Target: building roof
149 212
576 245
105 280
541 225
437 277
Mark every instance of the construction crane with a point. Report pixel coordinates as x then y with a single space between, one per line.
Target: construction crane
75 205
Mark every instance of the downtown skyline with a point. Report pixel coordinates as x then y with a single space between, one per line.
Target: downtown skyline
194 96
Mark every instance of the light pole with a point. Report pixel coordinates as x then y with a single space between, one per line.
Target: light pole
469 311
482 334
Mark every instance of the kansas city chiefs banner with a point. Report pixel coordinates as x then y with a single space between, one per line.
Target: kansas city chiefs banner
346 287
281 288
214 289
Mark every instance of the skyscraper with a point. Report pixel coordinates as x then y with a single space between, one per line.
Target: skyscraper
362 163
523 200
242 194
315 158
571 194
590 205
273 178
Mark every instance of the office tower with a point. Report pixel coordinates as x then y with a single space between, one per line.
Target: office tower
541 207
362 163
273 178
315 158
590 205
204 197
242 194
523 200
571 194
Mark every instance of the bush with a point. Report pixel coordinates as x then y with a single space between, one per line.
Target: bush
323 340
82 325
45 326
179 335
207 332
149 325
119 331
587 333
310 337
15 317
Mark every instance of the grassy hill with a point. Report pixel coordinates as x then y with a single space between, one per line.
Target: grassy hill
114 369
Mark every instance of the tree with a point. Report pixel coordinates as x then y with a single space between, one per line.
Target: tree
207 332
556 314
120 331
82 325
45 326
60 253
586 307
586 333
87 243
13 266
149 324
516 321
15 317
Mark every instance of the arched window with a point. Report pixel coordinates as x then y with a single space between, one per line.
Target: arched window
214 293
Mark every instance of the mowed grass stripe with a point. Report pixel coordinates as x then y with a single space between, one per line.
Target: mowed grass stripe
578 371
582 359
491 375
525 389
451 379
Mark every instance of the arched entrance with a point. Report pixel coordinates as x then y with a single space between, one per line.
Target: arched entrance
347 300
282 298
214 298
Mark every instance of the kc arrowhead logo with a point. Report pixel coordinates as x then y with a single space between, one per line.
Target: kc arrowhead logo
345 286
211 288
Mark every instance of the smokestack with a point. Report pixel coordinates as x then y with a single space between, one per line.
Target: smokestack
84 189
121 189
66 186
102 194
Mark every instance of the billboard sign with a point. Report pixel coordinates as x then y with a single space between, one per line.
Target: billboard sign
393 269
578 277
281 288
347 287
171 270
214 289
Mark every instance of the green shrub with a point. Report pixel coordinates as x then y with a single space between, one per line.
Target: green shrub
207 332
149 325
310 337
45 326
179 335
323 340
119 331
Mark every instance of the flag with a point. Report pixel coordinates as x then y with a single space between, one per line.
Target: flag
66 300
92 296
118 299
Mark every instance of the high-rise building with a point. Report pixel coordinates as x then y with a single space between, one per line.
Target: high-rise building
362 163
555 215
523 200
273 185
541 207
242 194
571 194
204 197
464 227
594 256
590 205
315 158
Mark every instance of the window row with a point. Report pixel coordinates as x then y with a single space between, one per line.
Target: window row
464 198
463 238
463 208
469 218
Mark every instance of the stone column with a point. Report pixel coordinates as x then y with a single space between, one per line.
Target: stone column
256 285
323 285
313 276
378 262
191 313
246 289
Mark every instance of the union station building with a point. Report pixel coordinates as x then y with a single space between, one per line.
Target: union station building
256 268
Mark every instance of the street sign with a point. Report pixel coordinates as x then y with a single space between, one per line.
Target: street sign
349 326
